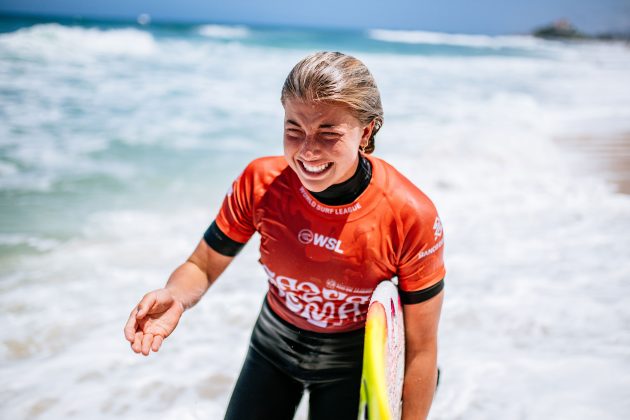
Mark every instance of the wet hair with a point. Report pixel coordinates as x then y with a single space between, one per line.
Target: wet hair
339 78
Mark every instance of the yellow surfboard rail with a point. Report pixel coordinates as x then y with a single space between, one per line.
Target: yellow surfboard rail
383 357
374 396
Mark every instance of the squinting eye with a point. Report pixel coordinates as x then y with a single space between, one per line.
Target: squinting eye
293 133
330 135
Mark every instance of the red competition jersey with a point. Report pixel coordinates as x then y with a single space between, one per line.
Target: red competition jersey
323 262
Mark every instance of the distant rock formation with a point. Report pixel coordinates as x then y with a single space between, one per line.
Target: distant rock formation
559 29
563 29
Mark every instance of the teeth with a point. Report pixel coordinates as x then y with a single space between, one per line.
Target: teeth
315 169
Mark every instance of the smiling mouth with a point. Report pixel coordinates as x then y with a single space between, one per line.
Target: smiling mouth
314 169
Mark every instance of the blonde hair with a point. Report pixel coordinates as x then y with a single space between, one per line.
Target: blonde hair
336 77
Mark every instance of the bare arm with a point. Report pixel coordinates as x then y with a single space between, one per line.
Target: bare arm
191 280
421 325
159 311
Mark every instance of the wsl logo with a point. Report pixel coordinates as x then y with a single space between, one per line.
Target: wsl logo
437 228
307 237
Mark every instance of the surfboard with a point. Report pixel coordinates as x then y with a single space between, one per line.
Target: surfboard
383 356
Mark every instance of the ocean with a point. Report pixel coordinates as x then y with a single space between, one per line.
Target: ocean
118 142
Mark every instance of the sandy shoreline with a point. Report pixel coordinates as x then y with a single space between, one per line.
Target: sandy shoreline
610 156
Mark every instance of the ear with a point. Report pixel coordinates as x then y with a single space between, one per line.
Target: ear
367 133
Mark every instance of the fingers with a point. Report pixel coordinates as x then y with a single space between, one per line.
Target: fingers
147 340
136 346
131 326
138 313
157 342
137 326
145 343
146 304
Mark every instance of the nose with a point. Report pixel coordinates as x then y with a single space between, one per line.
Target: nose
310 149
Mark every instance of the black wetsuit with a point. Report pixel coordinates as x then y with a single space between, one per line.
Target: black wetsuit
283 361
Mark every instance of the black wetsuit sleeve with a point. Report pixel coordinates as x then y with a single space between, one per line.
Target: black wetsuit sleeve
418 296
220 242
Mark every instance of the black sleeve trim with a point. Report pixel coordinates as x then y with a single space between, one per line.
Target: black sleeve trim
220 242
418 296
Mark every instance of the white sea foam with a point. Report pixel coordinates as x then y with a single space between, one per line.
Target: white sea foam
225 31
35 242
54 41
463 40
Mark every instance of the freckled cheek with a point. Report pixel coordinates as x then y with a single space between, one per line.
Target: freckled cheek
288 141
291 149
342 150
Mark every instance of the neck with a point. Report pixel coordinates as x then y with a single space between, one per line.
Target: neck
347 191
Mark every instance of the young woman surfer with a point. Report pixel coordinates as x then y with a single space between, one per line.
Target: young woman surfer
334 222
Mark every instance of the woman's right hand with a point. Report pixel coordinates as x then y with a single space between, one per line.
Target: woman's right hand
152 320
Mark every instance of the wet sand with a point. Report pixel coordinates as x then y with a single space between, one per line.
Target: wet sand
610 156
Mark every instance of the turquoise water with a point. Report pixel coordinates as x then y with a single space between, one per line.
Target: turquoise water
118 141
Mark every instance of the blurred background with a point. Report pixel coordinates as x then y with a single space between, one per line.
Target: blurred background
122 124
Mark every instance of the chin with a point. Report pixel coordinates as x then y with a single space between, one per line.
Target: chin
315 187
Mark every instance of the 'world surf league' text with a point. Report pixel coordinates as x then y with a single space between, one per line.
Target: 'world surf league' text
328 210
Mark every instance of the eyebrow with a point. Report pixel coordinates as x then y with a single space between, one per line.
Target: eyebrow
320 126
